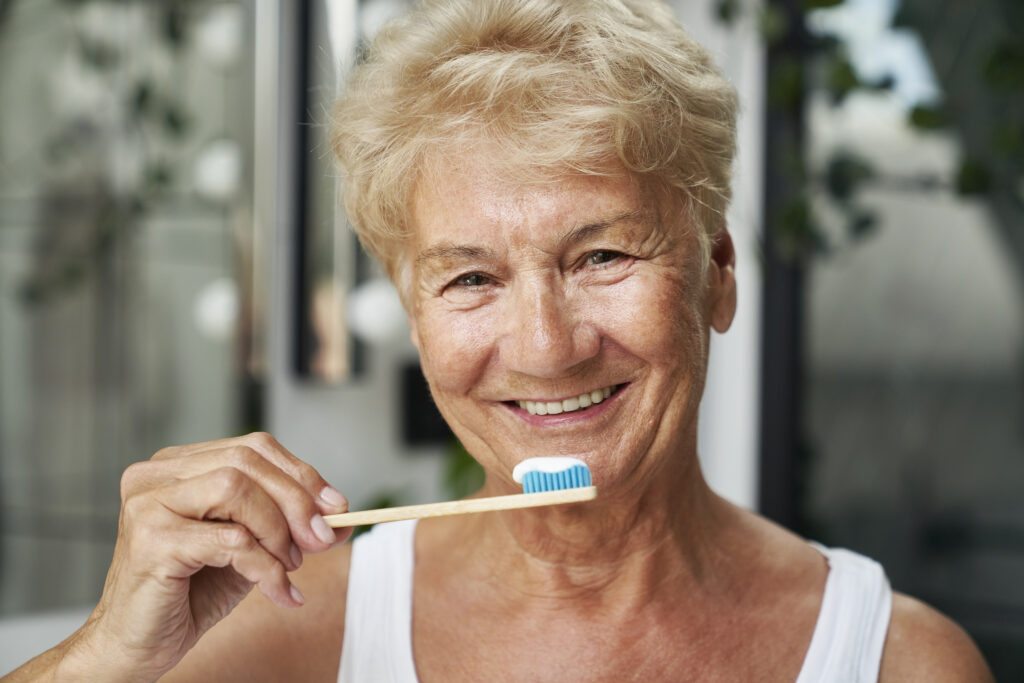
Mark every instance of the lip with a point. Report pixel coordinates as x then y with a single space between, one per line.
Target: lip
593 412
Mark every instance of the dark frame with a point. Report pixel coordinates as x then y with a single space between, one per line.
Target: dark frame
782 341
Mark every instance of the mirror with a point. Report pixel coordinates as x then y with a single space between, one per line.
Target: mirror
331 265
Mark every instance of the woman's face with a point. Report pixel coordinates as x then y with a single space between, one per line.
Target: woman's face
562 318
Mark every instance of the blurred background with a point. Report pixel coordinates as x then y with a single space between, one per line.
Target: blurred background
174 268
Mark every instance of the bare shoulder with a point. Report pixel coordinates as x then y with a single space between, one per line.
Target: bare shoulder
259 641
925 645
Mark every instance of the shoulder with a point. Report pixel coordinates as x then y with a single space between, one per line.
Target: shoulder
924 645
259 641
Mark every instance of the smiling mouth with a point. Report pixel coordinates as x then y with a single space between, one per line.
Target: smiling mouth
568 405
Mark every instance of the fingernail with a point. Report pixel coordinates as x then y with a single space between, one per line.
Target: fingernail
319 526
296 556
297 595
332 496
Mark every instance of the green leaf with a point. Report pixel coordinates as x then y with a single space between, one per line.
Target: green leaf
905 17
1004 67
158 176
841 78
462 473
862 223
176 122
31 293
973 178
773 24
824 43
98 56
846 173
797 232
885 83
142 97
175 25
1008 139
786 84
821 4
727 11
925 117
71 274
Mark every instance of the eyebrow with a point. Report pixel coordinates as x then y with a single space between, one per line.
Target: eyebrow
580 233
584 232
449 251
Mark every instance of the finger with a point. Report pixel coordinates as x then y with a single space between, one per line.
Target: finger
185 450
300 509
328 499
224 544
341 535
230 495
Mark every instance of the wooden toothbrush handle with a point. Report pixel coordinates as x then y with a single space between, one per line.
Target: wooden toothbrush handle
462 507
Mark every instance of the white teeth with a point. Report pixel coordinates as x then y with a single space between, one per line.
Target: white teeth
567 405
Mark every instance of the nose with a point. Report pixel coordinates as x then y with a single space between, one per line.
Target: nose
545 334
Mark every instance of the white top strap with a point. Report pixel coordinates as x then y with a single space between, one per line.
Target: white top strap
848 639
846 646
378 610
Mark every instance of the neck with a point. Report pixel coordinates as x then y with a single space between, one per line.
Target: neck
658 531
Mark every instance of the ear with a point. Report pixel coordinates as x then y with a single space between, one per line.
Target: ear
722 281
414 334
402 278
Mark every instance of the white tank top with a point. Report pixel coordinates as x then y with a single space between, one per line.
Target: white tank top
846 646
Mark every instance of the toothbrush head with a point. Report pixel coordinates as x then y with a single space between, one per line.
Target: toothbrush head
551 474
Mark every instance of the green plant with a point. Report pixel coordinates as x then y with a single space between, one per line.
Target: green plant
143 112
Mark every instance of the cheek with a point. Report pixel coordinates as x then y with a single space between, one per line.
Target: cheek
453 350
656 317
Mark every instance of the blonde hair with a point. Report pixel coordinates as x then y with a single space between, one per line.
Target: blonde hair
558 86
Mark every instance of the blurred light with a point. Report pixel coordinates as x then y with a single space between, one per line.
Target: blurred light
79 92
219 35
375 13
342 16
218 170
126 164
215 312
375 312
877 50
111 24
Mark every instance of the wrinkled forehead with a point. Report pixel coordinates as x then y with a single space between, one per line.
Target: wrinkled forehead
472 200
493 189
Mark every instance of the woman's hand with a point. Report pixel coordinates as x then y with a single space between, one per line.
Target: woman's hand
200 526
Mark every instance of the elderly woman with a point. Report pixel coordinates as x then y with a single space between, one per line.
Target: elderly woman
545 182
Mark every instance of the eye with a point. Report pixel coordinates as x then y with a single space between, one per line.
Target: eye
602 257
470 280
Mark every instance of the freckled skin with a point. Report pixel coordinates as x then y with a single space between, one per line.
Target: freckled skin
545 319
543 292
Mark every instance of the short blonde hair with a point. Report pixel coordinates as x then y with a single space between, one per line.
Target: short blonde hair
558 86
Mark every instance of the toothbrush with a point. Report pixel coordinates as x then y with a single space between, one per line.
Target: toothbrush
546 481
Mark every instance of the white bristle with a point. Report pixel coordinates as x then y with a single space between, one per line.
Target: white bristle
546 465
